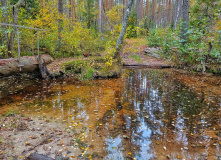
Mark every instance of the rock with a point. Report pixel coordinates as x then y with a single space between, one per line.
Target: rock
152 52
126 137
36 156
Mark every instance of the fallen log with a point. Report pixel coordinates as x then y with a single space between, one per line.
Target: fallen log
27 64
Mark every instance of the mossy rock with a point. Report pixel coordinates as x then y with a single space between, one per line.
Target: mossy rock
76 66
90 69
113 71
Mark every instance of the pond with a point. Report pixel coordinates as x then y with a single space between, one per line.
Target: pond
145 114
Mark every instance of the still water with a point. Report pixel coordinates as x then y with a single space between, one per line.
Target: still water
145 114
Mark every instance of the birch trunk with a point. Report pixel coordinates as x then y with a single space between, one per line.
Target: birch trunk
100 19
123 30
178 13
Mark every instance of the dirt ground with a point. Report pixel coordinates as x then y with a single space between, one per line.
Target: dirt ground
21 136
133 55
132 48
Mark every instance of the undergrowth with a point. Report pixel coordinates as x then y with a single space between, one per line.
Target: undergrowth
198 49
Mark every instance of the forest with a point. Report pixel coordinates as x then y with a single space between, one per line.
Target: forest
73 27
110 79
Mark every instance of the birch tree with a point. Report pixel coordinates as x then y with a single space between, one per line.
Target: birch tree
100 19
123 30
177 12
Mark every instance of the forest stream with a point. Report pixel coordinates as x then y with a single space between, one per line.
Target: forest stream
144 114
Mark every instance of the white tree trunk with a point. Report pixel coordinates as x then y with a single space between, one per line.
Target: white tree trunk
178 12
124 28
100 19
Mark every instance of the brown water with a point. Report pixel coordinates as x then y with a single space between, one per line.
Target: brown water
145 114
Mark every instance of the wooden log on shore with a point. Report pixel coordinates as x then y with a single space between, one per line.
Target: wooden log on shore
27 64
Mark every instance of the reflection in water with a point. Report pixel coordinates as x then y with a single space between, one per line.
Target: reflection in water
145 114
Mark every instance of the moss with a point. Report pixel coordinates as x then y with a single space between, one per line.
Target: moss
76 66
110 72
93 68
137 58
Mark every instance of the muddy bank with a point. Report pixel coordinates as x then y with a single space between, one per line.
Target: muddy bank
22 136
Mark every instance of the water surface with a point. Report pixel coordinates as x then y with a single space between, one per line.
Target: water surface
145 114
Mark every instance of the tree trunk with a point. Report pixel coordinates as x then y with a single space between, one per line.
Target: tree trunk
138 12
88 14
100 19
15 10
178 13
185 20
168 12
43 3
147 8
4 20
123 30
31 63
60 21
104 10
153 12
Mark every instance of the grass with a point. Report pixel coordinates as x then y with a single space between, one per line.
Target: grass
1 139
9 113
136 57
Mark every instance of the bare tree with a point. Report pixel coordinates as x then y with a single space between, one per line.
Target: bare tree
123 30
